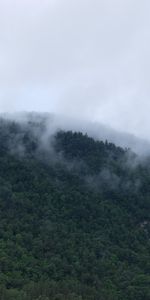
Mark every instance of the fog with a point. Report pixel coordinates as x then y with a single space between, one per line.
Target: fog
36 137
54 122
83 59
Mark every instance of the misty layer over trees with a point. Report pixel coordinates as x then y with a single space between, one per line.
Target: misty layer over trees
74 216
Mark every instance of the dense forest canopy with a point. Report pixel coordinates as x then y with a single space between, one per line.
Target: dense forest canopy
74 216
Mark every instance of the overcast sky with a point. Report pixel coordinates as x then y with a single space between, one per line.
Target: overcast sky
84 58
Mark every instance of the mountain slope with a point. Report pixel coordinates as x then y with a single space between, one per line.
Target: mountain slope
74 217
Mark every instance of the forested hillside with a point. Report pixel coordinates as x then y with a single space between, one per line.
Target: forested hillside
74 217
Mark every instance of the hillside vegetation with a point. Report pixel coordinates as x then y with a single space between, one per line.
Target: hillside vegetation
74 217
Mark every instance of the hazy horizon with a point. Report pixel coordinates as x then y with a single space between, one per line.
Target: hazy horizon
86 59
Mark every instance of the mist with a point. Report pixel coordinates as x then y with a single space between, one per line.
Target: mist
84 60
36 136
57 122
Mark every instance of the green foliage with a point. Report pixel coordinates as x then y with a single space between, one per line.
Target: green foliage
74 221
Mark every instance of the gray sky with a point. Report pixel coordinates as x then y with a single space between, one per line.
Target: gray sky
84 58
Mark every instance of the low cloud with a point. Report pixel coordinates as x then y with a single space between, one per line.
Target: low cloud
85 59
